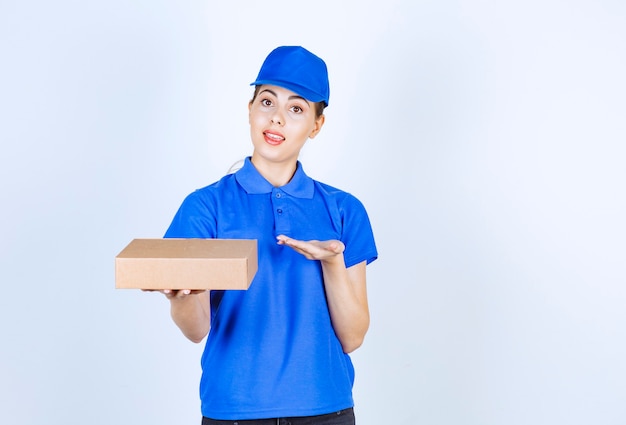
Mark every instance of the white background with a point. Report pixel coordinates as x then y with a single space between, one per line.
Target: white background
486 139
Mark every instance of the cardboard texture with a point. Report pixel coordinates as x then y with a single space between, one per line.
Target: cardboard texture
186 264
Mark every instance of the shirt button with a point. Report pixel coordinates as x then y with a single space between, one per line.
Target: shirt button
278 195
279 211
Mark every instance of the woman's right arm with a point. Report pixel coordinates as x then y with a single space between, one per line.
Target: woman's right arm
191 311
196 218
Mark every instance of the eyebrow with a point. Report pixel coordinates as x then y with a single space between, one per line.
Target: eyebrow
290 97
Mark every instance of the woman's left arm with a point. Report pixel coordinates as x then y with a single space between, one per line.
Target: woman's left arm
346 289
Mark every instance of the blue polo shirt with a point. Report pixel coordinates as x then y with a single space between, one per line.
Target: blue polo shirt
272 351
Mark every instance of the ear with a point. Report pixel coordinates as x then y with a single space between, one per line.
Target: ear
319 123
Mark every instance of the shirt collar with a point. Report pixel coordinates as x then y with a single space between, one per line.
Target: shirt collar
300 185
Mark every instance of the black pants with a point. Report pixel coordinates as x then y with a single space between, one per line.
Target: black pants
342 417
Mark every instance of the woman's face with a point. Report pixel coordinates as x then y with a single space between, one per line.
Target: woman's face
280 124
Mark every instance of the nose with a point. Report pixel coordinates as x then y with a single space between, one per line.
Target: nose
277 117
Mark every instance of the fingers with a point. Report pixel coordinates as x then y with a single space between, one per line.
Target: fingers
170 293
180 293
294 243
300 247
282 239
313 250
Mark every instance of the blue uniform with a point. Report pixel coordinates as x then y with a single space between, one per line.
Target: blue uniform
271 350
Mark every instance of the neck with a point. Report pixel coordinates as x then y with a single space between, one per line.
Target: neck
277 173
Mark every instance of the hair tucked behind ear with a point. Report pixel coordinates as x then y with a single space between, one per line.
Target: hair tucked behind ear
319 106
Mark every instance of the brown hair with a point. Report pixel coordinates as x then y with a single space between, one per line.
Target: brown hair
319 106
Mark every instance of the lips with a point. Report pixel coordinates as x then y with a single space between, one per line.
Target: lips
273 138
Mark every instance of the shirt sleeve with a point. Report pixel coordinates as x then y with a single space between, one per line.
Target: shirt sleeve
195 218
357 234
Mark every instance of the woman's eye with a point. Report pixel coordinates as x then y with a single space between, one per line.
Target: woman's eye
266 102
296 109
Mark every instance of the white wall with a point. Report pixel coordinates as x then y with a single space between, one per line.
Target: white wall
487 140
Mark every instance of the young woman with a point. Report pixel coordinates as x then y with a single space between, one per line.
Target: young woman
278 352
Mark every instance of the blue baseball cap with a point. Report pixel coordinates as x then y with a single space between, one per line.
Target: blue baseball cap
298 70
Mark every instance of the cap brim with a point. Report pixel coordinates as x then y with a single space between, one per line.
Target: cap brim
309 95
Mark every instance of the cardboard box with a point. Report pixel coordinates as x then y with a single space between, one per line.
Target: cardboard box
186 264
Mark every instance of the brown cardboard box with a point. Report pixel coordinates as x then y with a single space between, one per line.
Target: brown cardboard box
186 264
